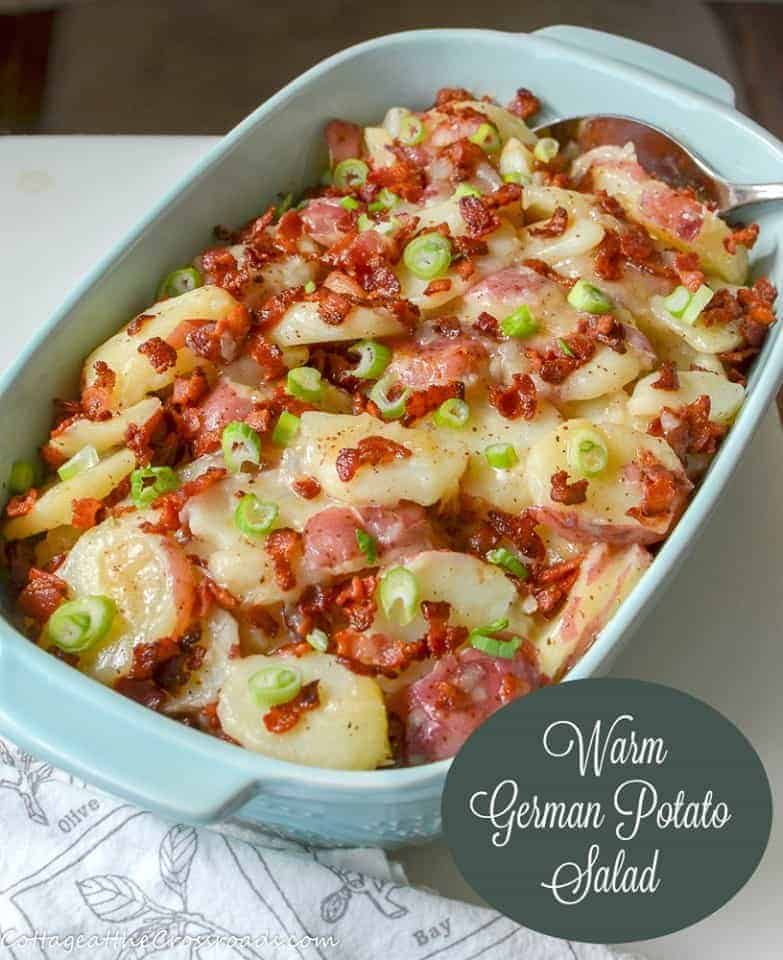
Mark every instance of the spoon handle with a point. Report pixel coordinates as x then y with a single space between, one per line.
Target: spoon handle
741 194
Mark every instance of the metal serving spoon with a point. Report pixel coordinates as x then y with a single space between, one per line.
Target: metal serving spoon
662 156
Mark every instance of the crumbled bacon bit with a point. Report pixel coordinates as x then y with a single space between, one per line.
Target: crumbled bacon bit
85 512
375 654
452 95
520 530
668 379
689 428
463 157
507 194
554 227
22 504
272 310
422 402
488 325
689 271
138 437
267 355
440 637
441 285
95 402
137 323
306 487
516 400
568 493
525 104
289 231
402 178
147 656
284 546
479 219
448 327
42 595
742 235
550 585
608 257
357 600
161 355
208 593
333 307
659 488
604 328
370 450
284 716
146 692
553 365
170 504
188 391
543 268
610 205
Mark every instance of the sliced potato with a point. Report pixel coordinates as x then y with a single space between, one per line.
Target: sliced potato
103 434
219 636
347 731
147 576
516 158
507 123
54 508
606 372
303 324
606 577
135 376
377 140
725 397
609 495
715 339
430 474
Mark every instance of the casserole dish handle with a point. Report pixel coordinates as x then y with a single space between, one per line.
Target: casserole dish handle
114 743
666 65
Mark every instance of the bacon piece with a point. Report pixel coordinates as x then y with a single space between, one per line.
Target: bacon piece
487 325
138 323
145 692
357 600
693 431
96 398
689 271
542 268
148 656
516 400
722 309
554 227
668 379
267 355
550 585
742 235
22 504
610 205
425 401
376 654
464 158
220 268
234 324
138 437
660 489
161 355
85 512
333 307
520 530
553 365
284 716
604 328
189 390
479 219
402 178
441 285
344 140
568 493
284 546
440 637
608 257
271 311
208 593
525 104
307 488
202 341
42 595
170 504
452 95
371 451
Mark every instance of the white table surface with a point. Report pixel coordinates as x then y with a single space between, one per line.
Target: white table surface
718 635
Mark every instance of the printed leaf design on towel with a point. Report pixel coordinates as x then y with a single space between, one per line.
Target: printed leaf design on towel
30 774
117 899
177 850
335 905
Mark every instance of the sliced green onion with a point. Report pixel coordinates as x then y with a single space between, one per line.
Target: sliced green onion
255 517
428 256
453 413
412 130
77 625
486 137
305 383
589 298
285 204
465 190
178 282
367 545
698 302
387 199
374 358
149 483
318 640
349 203
286 429
389 409
520 323
677 301
501 456
272 685
86 458
494 647
309 287
24 475
349 174
565 348
546 149
515 177
365 223
399 595
587 452
508 561
241 444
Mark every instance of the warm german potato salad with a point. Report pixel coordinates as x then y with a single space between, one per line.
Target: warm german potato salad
393 453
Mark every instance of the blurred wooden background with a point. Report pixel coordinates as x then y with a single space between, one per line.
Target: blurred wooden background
197 66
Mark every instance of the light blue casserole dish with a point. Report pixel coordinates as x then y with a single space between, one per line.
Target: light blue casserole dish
58 714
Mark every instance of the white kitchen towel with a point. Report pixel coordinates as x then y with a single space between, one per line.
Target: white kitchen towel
84 874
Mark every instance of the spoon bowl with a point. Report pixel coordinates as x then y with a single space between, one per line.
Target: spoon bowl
662 156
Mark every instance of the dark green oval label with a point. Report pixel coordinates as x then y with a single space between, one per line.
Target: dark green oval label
607 810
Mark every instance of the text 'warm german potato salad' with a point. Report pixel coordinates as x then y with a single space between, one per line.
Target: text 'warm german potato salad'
395 452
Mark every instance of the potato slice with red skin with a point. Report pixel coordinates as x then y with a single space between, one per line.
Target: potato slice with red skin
147 576
606 577
609 495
